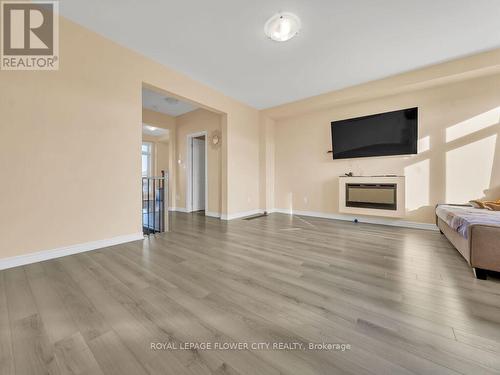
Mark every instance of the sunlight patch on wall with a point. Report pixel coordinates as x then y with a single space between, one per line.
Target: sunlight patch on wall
417 185
289 204
424 144
474 124
468 170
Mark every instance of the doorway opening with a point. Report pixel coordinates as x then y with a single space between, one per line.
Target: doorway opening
154 179
197 173
191 153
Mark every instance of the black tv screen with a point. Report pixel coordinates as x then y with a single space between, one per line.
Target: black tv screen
390 133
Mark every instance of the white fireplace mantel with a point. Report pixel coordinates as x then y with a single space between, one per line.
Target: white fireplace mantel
400 195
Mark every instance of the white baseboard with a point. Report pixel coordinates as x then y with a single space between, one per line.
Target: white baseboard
184 210
40 256
239 215
181 209
361 219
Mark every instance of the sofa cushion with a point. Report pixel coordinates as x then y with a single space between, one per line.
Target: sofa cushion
460 218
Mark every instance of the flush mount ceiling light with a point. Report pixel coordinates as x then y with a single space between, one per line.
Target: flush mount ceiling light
282 26
170 100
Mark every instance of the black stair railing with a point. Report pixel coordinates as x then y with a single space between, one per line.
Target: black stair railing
154 201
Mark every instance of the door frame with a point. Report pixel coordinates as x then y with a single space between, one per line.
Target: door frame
189 170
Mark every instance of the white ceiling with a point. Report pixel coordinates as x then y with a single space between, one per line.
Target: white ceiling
342 43
161 103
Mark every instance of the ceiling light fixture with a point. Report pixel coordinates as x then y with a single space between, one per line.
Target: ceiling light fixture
171 100
151 128
282 26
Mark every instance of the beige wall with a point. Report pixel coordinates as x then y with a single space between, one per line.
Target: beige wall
194 122
458 120
162 149
79 129
267 162
243 175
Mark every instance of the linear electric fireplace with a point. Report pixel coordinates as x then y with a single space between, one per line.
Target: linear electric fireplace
371 195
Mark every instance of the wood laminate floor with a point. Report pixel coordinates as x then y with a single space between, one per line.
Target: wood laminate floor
403 300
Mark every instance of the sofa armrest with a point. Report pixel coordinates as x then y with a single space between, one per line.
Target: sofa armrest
449 204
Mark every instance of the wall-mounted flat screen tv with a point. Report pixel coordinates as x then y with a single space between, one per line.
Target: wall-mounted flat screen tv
383 134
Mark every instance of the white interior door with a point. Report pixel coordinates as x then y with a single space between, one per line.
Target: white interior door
198 177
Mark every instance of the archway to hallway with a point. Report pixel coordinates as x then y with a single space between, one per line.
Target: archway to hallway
185 140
